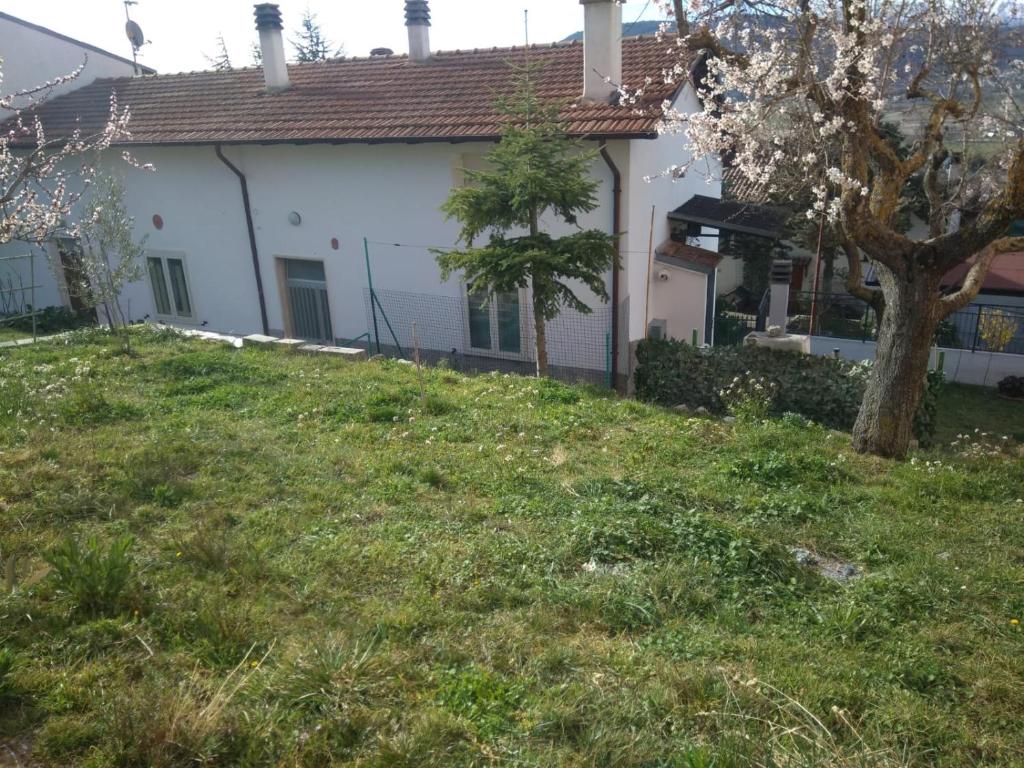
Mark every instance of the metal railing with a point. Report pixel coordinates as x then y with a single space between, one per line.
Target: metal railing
977 327
17 300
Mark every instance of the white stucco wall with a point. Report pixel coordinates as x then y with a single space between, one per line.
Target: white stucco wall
960 365
999 300
32 57
16 279
387 193
648 159
680 300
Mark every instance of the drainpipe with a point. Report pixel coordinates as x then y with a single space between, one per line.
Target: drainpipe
616 232
252 236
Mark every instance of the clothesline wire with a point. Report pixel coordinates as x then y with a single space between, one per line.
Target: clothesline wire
448 248
637 19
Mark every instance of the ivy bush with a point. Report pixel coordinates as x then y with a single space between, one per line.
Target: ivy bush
822 389
52 320
1012 386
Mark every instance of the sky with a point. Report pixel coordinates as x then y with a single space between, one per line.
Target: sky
184 32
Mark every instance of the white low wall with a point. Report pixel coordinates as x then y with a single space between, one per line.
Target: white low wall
961 365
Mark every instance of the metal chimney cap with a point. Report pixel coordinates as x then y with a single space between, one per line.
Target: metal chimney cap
417 12
782 270
382 52
268 16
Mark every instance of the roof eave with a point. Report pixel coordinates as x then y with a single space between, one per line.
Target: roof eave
490 138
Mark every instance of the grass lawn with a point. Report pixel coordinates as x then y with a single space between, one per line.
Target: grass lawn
10 334
962 409
328 570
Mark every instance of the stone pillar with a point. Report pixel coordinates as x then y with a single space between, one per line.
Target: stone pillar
778 297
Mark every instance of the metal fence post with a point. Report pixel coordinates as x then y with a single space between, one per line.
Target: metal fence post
373 296
32 291
608 359
977 330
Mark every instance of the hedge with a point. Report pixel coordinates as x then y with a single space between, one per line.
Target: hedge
822 389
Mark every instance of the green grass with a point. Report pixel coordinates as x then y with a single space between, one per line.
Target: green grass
10 334
962 409
328 571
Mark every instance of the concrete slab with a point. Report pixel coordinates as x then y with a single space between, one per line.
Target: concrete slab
310 349
786 343
347 353
258 338
288 343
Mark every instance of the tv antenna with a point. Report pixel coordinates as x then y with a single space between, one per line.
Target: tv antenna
134 33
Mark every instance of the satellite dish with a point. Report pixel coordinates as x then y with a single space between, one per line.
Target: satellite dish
134 33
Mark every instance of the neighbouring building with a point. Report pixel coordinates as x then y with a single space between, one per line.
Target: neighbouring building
33 56
280 191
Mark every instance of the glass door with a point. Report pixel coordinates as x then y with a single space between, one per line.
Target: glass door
309 307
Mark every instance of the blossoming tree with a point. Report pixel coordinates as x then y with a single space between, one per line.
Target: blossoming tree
796 95
43 178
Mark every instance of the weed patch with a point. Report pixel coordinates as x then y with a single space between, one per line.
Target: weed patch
485 699
94 576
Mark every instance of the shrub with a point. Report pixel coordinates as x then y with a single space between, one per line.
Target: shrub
822 389
825 390
1012 386
928 409
748 398
55 319
94 577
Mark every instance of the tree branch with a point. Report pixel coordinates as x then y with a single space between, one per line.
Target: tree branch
855 276
974 280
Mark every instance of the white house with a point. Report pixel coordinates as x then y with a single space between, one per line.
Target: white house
32 56
268 180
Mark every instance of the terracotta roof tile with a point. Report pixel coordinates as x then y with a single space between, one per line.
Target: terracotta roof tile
690 254
365 100
1006 275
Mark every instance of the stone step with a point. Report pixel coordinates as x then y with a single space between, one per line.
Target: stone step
348 353
258 338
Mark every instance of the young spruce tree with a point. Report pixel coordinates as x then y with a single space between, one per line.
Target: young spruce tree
536 169
312 45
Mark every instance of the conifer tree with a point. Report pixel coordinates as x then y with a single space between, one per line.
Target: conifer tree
312 45
221 62
535 170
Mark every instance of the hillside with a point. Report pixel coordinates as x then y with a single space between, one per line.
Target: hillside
325 567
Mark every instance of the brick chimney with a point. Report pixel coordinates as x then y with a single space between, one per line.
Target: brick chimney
417 20
602 49
268 23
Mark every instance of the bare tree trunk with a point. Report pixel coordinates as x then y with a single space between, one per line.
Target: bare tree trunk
682 23
540 334
886 418
542 341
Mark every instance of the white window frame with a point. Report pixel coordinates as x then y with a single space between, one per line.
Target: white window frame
163 256
526 345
